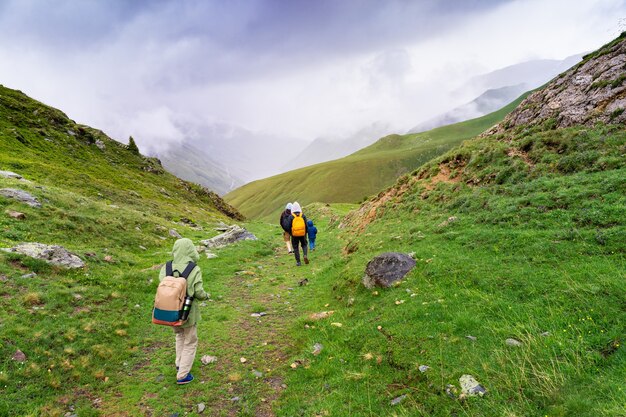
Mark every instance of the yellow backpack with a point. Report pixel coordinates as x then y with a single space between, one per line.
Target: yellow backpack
298 228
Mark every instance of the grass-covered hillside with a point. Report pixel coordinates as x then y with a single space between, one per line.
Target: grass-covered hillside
360 175
43 145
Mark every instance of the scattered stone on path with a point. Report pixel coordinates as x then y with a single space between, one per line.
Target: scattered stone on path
261 314
243 360
175 234
296 363
201 408
513 342
232 235
30 275
16 215
108 258
451 391
472 338
9 174
321 315
471 387
424 368
317 349
52 254
207 359
21 196
386 269
19 356
398 400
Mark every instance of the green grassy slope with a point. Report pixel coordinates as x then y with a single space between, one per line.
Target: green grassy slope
535 251
43 145
357 176
112 208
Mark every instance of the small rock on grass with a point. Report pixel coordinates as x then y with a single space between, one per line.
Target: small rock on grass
398 400
175 234
472 338
470 386
424 368
201 408
317 349
207 359
321 315
19 356
257 374
261 314
16 215
31 275
513 342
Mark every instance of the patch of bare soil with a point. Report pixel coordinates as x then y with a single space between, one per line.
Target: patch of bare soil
513 152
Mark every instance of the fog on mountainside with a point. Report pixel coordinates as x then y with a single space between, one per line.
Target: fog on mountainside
327 148
231 155
498 88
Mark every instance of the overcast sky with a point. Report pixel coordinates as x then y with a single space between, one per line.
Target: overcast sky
296 68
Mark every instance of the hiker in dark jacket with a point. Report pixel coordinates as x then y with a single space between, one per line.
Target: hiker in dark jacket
297 226
187 335
311 231
284 223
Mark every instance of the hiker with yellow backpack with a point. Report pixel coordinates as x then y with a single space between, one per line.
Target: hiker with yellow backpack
298 229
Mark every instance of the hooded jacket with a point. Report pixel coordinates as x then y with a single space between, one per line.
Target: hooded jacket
284 220
184 252
311 230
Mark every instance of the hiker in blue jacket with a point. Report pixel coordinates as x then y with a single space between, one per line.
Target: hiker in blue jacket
312 232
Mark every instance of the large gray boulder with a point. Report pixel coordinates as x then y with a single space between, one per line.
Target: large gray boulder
21 196
232 235
52 254
387 268
9 174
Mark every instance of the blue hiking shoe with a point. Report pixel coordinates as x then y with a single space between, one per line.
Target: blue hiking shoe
185 380
298 264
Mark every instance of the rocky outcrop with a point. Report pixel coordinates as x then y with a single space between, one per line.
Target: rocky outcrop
9 174
591 92
232 235
55 255
21 196
387 268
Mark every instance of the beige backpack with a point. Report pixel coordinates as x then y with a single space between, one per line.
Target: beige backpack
170 297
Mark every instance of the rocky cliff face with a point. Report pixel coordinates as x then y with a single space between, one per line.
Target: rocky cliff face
592 91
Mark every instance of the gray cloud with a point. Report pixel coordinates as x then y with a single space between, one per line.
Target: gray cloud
296 68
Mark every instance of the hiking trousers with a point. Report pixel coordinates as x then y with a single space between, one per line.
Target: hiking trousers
287 238
311 244
296 241
186 345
